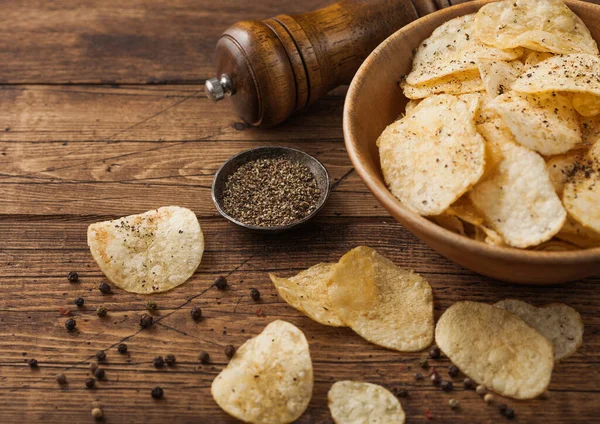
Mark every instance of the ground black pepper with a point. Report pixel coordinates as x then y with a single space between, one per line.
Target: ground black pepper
79 302
221 282
70 324
101 355
101 311
157 392
271 192
73 277
170 359
146 321
104 288
196 313
90 383
434 352
229 351
204 357
33 363
122 348
255 294
158 362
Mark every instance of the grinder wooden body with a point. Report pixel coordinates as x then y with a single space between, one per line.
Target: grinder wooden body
272 68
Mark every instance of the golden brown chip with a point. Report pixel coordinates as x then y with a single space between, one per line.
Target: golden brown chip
586 104
560 167
575 233
460 83
389 306
496 348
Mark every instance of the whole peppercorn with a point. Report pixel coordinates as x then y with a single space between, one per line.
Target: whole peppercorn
90 383
221 282
146 321
170 359
101 355
481 390
93 366
196 313
97 413
204 357
468 384
452 371
255 294
418 376
509 413
402 393
454 404
104 288
435 378
79 302
446 386
73 277
33 363
70 324
157 392
423 363
99 373
502 408
61 378
158 362
101 311
229 351
122 348
434 352
151 305
488 398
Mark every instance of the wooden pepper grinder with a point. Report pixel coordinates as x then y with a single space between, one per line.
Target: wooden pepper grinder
280 65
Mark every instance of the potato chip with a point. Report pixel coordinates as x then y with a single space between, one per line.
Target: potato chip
452 48
465 211
356 402
517 197
532 58
581 194
307 292
148 253
464 82
545 123
557 322
586 104
386 305
269 379
578 235
496 348
450 223
555 246
498 76
590 130
560 167
541 25
430 158
411 106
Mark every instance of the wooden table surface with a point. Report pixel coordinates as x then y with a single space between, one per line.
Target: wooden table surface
103 114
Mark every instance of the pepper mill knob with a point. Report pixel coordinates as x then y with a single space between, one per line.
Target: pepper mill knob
216 89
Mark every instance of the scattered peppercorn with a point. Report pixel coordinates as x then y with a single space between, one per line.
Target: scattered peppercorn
99 373
434 352
101 355
221 282
79 302
104 288
502 408
446 386
97 413
488 398
61 378
170 359
454 404
33 363
122 348
418 376
196 313
402 393
255 294
146 321
229 351
157 392
158 362
468 384
423 362
93 366
101 311
509 413
70 324
204 357
481 390
435 378
90 383
151 305
73 277
452 371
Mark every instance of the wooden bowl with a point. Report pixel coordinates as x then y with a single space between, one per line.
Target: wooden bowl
375 100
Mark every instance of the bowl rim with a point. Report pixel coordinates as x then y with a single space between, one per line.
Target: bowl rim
278 228
395 207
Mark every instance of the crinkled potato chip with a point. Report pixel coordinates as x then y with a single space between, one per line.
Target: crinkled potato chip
356 402
269 379
557 322
498 76
542 25
560 167
586 104
575 233
581 194
430 158
460 83
386 305
532 58
307 292
496 348
517 197
546 123
452 48
148 253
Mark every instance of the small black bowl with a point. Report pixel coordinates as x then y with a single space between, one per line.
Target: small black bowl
293 155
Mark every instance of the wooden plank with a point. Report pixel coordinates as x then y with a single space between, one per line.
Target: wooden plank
137 41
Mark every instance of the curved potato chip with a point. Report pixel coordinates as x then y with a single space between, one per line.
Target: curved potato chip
386 305
517 197
269 379
555 246
411 106
560 167
430 158
452 48
307 292
450 223
356 402
464 82
498 76
496 348
542 25
465 210
148 253
590 130
586 104
581 194
532 58
575 233
557 322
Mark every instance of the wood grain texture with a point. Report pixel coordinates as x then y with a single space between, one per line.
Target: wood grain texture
76 154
